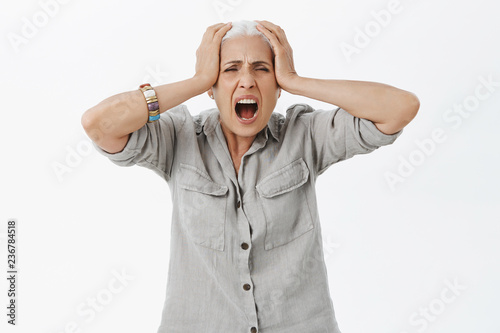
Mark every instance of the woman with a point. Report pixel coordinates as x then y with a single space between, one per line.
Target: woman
246 245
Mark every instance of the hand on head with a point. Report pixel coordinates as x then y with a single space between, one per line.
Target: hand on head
207 54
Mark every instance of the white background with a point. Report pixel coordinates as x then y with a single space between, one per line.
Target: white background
392 252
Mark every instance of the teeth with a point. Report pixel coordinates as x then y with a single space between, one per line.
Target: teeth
247 101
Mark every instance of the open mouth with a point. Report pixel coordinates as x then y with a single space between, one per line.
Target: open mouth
246 109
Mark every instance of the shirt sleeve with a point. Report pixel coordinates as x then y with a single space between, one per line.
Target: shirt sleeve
337 135
152 145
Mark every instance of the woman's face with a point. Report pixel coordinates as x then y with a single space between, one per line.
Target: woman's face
246 71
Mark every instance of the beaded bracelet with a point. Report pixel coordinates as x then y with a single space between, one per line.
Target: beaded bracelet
152 100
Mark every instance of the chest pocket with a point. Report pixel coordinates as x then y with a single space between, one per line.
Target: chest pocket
285 204
202 207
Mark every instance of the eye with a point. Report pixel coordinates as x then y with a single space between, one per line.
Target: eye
263 69
230 69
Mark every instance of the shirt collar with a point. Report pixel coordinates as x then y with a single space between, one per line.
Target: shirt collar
208 120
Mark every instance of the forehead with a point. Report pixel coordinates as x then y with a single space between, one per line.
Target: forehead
251 48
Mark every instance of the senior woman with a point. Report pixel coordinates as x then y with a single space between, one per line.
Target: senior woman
246 245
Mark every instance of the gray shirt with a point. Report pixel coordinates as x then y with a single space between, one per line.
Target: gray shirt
246 250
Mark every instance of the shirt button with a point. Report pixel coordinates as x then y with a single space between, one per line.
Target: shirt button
246 286
244 246
253 330
238 204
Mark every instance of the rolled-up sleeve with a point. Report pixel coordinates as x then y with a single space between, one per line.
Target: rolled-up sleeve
152 145
337 135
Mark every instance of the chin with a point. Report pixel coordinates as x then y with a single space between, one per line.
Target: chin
244 131
247 132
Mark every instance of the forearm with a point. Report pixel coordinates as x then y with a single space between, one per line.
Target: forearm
121 114
388 107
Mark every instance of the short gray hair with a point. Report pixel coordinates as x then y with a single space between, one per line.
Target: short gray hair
245 28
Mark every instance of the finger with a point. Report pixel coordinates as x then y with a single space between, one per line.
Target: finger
270 26
277 47
215 26
272 38
222 30
211 30
279 35
275 29
266 23
209 33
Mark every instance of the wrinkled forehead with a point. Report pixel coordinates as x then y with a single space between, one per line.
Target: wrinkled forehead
246 48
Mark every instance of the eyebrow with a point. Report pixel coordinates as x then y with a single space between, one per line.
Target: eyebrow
258 62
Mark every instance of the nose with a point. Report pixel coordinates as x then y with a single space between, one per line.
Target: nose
247 80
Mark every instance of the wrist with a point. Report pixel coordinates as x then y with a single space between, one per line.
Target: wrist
294 85
202 83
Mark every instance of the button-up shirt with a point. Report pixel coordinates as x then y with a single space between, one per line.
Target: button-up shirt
246 249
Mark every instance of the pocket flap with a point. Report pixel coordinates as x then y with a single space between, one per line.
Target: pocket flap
193 179
284 180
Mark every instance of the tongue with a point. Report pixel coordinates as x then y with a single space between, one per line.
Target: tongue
246 110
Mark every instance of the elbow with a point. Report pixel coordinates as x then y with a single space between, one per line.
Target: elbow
409 109
413 105
86 120
90 123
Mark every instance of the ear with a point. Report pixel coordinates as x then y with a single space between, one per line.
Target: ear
210 93
279 93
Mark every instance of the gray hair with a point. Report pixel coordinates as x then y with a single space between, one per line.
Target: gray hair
245 28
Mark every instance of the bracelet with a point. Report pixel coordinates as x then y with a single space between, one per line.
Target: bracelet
152 100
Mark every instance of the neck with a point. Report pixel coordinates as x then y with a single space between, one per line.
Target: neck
237 145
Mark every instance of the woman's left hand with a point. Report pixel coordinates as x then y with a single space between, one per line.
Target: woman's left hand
284 69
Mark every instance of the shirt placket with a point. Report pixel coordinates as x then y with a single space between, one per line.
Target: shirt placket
217 142
244 265
246 232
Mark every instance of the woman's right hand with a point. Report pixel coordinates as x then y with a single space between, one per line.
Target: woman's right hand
207 54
